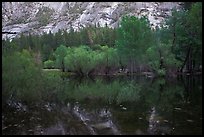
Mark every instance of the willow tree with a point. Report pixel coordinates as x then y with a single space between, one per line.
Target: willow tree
82 60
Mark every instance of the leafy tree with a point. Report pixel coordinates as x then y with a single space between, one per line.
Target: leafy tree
110 58
58 38
185 28
9 47
31 42
59 54
134 37
82 60
195 23
46 51
20 75
160 56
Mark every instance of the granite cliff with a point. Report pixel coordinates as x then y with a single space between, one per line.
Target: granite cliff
39 17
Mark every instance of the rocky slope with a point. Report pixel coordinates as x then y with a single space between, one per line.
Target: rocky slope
39 17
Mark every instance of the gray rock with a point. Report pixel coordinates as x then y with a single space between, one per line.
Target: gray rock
23 16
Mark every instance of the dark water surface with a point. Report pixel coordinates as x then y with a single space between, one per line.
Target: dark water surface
109 105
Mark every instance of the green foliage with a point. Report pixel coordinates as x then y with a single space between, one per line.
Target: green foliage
20 75
153 58
136 43
114 92
110 56
82 59
46 51
195 23
22 78
134 37
47 43
49 64
179 33
185 30
59 54
129 92
156 52
9 47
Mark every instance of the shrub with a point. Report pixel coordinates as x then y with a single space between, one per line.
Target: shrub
21 76
49 64
82 59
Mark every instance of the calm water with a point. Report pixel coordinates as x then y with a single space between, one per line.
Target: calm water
109 105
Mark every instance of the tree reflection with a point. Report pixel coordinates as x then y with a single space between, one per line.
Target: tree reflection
116 106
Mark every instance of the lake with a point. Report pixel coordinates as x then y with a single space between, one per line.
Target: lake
119 105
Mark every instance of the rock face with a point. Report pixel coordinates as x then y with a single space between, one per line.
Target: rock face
39 17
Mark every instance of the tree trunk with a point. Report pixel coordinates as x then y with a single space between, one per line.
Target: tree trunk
174 37
190 62
161 60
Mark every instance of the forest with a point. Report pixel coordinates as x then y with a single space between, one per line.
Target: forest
144 75
132 48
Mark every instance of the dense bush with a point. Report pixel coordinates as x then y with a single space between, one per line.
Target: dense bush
49 64
20 75
161 52
82 59
23 79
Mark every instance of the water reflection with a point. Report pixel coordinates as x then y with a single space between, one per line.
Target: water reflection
115 105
